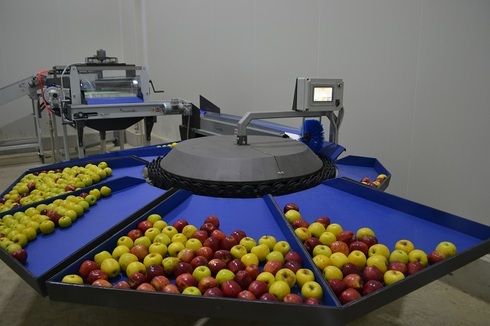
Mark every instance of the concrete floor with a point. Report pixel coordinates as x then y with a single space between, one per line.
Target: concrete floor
438 303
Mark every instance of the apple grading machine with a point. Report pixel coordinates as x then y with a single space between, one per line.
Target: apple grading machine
100 93
245 177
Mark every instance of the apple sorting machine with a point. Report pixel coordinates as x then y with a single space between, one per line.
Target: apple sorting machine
244 171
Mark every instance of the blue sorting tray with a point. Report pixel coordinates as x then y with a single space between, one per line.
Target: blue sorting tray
354 168
257 217
48 254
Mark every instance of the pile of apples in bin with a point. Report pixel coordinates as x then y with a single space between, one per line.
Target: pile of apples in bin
183 258
354 263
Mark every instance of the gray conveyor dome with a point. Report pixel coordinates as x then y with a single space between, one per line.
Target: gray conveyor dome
217 166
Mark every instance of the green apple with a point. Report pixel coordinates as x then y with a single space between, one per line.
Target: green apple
274 255
91 200
144 240
162 238
179 237
269 240
332 273
193 244
447 248
72 279
418 255
405 245
105 191
379 261
224 275
126 259
21 239
304 275
135 267
279 289
94 192
47 227
364 231
286 275
65 221
111 267
261 251
238 251
250 259
392 276
30 233
151 233
379 249
321 261
160 224
152 259
312 289
357 258
282 246
200 272
119 250
334 228
192 290
189 230
12 247
101 256
266 277
292 215
398 255
169 264
158 247
327 238
248 243
338 259
170 231
316 229
174 248
154 217
322 250
302 233
84 204
5 242
125 241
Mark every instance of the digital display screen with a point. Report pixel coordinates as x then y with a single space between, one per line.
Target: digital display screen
322 94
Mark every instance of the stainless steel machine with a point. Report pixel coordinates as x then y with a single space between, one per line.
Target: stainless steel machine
100 93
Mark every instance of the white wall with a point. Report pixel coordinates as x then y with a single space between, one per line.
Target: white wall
416 72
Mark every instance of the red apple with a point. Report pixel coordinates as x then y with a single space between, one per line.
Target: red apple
258 288
228 242
20 255
144 225
246 295
236 265
186 255
371 286
215 265
208 227
146 287
299 223
293 255
159 282
238 235
201 235
207 282
183 268
292 298
205 252
350 268
171 288
311 243
325 220
369 240
253 270
398 266
224 255
218 234
338 286
292 265
136 280
139 251
213 219
154 270
230 288
372 273
243 279
135 234
212 243
359 245
185 280
289 206
86 267
347 236
268 297
199 261
354 281
414 267
96 274
179 224
70 188
349 295
102 283
272 266
339 246
213 292
122 285
313 301
83 194
436 256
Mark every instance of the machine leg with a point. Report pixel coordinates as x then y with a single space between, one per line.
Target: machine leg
37 128
103 147
81 149
121 139
149 121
